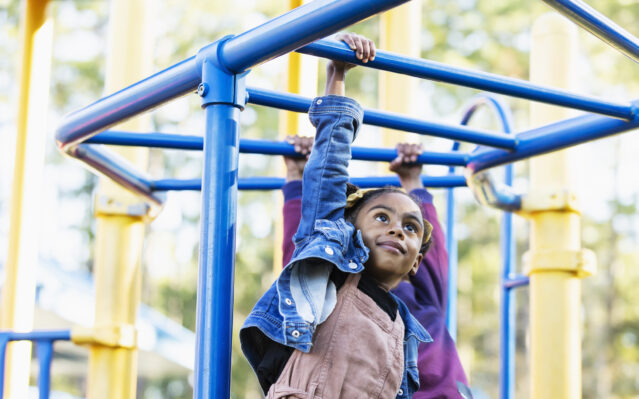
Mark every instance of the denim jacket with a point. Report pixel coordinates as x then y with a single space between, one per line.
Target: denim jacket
303 296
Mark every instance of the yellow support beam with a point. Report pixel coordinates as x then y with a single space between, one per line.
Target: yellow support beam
18 291
301 79
400 32
120 223
556 263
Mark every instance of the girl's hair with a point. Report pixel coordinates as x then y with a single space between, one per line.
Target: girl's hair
350 213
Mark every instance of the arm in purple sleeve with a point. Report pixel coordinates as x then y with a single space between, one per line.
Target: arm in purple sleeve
292 214
431 280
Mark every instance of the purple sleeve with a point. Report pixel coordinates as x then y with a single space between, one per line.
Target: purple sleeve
292 214
431 281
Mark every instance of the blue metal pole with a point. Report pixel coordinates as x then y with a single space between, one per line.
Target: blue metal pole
117 168
51 335
292 102
296 28
172 82
4 340
44 350
516 281
248 146
451 247
552 137
507 313
507 305
426 69
214 323
274 183
599 25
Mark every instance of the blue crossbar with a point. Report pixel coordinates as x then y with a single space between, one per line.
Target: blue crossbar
275 183
248 146
296 103
426 69
553 137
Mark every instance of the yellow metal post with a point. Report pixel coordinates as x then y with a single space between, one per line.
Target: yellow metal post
555 262
301 79
400 32
18 292
120 223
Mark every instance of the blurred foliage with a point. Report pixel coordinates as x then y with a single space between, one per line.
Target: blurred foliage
477 34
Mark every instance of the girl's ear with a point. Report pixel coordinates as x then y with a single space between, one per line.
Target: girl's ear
418 260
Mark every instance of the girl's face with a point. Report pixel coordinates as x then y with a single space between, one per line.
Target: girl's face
392 228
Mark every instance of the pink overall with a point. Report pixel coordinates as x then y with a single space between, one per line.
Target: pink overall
357 352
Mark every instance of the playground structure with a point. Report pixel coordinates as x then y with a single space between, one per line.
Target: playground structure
218 71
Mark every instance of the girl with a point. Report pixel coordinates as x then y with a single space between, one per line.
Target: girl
329 327
440 371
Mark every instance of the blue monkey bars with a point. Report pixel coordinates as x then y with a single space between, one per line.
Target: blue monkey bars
218 71
44 350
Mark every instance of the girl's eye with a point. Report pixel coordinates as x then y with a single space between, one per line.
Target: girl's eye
411 227
382 218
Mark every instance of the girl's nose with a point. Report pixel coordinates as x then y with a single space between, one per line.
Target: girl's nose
395 231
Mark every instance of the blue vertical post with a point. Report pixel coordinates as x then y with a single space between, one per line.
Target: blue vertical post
4 340
223 97
451 247
44 350
507 311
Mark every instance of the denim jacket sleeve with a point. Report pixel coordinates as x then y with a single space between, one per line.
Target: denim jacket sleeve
336 120
323 239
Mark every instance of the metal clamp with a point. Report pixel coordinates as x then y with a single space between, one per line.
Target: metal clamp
120 205
555 200
119 336
581 262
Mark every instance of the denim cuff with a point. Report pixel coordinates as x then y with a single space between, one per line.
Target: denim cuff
422 195
337 104
292 190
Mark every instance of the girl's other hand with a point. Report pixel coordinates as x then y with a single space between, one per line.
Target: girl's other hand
295 166
405 166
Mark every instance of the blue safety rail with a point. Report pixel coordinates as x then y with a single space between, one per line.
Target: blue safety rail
218 73
44 350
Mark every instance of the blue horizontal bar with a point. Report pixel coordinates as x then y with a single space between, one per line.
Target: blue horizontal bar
296 28
599 25
117 168
170 83
552 137
292 102
247 146
49 335
274 183
426 69
515 282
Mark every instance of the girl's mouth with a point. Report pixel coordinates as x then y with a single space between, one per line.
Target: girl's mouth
392 246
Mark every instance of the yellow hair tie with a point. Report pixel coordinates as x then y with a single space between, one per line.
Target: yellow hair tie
356 196
428 230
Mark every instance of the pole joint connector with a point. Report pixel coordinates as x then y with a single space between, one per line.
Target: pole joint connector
219 84
550 200
581 262
116 336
